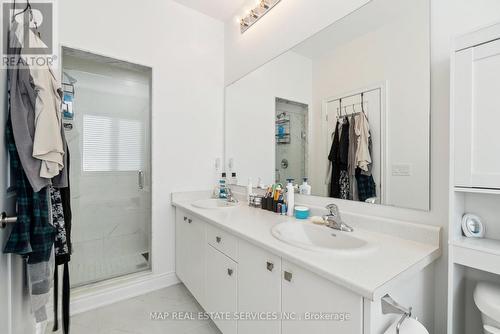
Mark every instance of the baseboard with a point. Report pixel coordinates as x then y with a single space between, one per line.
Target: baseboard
98 295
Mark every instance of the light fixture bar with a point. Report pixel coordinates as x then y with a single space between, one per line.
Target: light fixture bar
257 13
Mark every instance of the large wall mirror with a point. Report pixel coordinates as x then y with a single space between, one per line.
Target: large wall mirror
348 109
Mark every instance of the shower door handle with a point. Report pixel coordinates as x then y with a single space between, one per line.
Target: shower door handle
140 179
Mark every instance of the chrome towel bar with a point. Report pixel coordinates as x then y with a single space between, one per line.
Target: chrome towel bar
390 306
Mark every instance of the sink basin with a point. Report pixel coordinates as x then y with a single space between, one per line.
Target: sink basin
317 238
213 204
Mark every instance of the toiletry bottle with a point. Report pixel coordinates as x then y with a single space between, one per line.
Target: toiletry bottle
290 199
249 189
234 179
305 188
216 191
222 186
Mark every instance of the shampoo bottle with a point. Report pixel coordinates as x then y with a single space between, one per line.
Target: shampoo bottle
290 199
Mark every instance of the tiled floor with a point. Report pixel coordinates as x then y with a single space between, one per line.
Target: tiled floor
133 316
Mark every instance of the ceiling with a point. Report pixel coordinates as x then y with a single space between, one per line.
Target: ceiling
222 10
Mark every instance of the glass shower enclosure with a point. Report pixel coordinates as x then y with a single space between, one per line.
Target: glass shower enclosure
106 118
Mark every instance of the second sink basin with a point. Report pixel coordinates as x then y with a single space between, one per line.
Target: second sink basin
213 204
317 238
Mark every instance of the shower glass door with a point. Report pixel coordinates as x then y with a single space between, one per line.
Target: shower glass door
106 116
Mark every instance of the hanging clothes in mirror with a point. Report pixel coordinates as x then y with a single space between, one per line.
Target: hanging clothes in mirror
350 156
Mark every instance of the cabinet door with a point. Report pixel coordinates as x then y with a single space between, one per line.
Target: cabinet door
221 288
259 289
190 259
306 295
476 116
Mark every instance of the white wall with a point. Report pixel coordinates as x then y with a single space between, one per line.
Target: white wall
185 50
448 18
289 23
396 52
251 104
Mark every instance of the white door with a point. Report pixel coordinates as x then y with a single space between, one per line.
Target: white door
312 298
372 106
259 289
221 288
14 303
476 116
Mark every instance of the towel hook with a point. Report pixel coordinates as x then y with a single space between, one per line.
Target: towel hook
363 104
339 109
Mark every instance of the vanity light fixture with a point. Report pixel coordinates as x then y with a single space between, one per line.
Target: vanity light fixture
257 13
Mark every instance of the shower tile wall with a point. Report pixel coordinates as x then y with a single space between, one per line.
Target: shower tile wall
296 151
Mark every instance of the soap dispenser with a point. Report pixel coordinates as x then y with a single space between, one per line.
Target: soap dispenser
290 197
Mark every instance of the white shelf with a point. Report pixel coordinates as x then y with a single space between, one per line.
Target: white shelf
491 191
482 254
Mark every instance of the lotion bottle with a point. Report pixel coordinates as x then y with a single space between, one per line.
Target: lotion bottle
290 197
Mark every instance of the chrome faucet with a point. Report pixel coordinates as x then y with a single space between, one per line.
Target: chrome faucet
334 220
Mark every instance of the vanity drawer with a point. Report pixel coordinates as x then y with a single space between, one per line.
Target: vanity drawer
223 241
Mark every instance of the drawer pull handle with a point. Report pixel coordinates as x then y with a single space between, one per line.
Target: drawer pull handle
270 266
185 218
288 276
230 272
218 239
190 221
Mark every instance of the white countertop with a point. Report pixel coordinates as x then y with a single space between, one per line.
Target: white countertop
366 273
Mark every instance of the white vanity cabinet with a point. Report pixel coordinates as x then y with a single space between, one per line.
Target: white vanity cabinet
305 293
259 289
240 272
221 288
190 253
476 117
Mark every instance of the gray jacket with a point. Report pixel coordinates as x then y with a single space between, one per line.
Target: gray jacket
22 111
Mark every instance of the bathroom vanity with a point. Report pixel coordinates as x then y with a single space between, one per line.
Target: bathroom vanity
229 259
348 110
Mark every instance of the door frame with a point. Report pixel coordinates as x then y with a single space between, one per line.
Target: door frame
148 141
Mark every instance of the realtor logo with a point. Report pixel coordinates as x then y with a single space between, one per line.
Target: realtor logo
34 33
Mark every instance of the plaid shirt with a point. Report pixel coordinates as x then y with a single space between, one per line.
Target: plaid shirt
366 186
32 235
